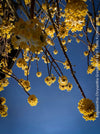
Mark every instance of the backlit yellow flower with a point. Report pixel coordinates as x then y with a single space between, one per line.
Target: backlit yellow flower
86 53
63 80
32 100
38 74
69 87
86 106
90 69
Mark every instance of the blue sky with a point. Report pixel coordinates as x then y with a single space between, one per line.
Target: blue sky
56 112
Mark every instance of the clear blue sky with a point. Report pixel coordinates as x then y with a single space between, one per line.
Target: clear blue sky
56 112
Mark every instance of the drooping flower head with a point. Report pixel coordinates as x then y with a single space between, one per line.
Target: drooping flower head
87 108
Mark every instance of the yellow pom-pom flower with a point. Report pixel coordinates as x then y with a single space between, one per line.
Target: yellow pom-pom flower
69 87
63 80
38 74
55 52
86 53
48 80
90 69
86 106
95 60
32 100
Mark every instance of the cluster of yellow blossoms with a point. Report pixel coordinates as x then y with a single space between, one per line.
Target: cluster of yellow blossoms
66 65
3 83
93 47
27 2
50 31
32 100
30 35
63 30
64 84
5 25
3 107
50 80
45 59
87 108
21 63
5 29
25 84
98 19
75 13
95 62
3 67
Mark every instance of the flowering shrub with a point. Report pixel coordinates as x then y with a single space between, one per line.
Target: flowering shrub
34 34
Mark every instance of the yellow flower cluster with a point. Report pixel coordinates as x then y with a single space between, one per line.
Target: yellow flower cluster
95 60
25 84
5 49
3 83
87 108
50 42
31 36
3 63
27 1
5 29
90 69
7 71
66 65
3 108
21 63
93 47
63 30
50 80
32 100
5 25
50 31
75 13
64 84
46 60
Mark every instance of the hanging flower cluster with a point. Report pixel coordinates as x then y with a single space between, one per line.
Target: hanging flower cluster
87 108
64 84
95 62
